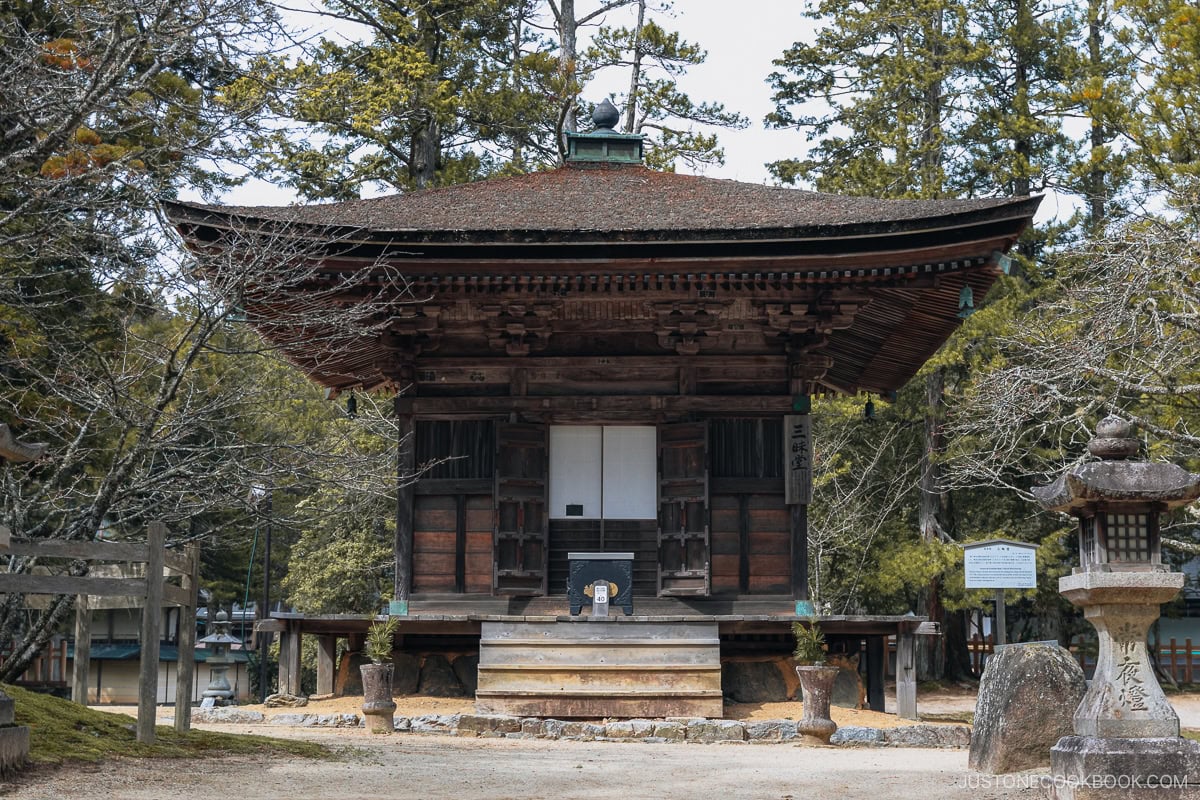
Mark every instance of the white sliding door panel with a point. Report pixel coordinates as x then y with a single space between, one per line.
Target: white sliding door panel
575 471
630 472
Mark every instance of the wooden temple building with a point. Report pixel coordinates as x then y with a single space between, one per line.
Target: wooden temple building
602 358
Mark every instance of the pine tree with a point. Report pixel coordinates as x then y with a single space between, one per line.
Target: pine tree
444 91
889 75
654 104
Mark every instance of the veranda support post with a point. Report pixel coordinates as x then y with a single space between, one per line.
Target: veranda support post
405 463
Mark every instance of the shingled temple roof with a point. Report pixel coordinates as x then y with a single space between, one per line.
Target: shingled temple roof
577 201
618 261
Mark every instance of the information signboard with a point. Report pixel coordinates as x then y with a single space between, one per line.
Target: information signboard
1000 564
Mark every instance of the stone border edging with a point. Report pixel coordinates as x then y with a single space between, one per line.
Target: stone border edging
669 731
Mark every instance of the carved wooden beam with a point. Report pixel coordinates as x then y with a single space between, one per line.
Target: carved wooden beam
683 325
519 328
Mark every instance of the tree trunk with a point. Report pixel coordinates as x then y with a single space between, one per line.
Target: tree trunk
635 71
427 137
425 151
517 158
931 131
1023 144
933 510
958 657
567 26
37 636
1097 193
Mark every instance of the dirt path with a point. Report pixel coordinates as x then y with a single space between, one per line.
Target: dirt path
444 768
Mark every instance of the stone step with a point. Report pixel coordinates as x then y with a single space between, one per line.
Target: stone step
564 669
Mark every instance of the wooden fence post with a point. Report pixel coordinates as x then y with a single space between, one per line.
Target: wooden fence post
906 675
186 665
83 650
151 633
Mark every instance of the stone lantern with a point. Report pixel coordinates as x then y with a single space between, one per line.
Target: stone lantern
1124 725
219 692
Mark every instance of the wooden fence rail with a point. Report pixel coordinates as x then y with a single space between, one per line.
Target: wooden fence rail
1180 660
154 591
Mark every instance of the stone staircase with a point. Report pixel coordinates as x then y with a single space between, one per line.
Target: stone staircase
600 668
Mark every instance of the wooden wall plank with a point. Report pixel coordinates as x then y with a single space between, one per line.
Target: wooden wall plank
480 513
776 543
725 573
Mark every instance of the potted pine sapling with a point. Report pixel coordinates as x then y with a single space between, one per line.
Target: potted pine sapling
816 681
378 706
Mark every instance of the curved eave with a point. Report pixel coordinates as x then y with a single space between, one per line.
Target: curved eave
204 226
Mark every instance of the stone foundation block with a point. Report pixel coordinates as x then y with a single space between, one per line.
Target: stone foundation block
487 723
1094 768
773 730
670 731
716 730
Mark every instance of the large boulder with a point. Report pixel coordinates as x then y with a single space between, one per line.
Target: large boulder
1027 698
406 673
348 682
438 678
466 669
848 688
753 682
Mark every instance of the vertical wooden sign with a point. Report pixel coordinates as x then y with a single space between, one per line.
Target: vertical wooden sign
797 445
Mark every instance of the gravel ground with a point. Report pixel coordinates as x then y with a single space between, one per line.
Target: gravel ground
446 768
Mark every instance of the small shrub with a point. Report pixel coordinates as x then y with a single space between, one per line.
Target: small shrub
379 639
810 643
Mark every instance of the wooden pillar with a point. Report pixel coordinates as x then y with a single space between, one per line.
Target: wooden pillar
744 543
876 653
800 552
326 663
186 665
289 659
151 633
460 543
906 675
83 650
405 467
797 433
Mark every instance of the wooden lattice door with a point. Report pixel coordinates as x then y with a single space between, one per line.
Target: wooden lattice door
683 535
520 540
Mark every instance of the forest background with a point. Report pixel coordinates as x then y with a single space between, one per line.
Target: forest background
157 402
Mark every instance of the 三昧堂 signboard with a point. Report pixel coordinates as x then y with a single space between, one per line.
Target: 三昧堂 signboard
1000 564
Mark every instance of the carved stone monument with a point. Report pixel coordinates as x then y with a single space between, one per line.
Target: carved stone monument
1126 733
